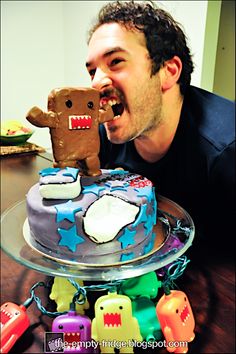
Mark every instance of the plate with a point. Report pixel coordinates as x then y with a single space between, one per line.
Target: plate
15 139
172 244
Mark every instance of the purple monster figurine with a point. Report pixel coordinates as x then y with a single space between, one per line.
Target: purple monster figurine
173 244
77 332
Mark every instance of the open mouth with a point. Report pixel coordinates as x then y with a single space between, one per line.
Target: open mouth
185 314
71 338
112 319
80 122
5 317
117 107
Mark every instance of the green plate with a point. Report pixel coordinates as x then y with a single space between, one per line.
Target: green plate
15 139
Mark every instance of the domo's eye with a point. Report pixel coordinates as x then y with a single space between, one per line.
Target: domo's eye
90 104
69 103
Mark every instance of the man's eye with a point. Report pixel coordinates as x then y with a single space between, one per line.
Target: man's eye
116 61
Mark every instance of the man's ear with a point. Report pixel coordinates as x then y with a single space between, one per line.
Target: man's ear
171 71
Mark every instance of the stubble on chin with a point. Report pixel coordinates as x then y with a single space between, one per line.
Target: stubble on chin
115 136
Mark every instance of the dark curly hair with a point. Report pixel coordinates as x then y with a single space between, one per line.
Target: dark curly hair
164 36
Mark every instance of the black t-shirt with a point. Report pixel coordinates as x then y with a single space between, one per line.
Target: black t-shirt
198 171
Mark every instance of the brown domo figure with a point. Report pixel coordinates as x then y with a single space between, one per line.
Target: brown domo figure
73 117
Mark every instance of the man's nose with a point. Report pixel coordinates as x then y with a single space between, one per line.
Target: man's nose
101 79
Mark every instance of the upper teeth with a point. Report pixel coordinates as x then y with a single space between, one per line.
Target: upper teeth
72 333
112 102
6 313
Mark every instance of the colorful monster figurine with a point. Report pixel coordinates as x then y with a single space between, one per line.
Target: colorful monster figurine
62 293
145 285
73 117
144 310
14 322
176 318
77 332
114 324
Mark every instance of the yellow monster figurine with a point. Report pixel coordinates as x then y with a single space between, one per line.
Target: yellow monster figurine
176 319
62 293
113 325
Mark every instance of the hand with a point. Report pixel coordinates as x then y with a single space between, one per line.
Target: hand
105 114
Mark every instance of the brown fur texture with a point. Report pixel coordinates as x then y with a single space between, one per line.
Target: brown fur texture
75 140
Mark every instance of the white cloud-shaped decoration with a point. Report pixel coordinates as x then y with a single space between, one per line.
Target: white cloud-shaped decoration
61 190
107 216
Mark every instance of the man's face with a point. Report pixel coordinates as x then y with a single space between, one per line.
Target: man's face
119 65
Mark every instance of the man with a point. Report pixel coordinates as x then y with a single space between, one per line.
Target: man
179 136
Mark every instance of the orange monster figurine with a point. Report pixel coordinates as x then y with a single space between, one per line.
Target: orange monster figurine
73 118
176 319
14 322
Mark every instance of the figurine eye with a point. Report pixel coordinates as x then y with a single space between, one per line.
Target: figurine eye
121 307
101 308
90 104
185 299
81 327
60 327
69 103
17 313
177 311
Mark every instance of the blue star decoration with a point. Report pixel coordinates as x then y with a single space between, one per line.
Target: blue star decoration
66 211
118 172
145 192
50 171
127 238
126 257
93 188
148 225
154 205
154 217
70 238
142 216
71 172
117 185
148 248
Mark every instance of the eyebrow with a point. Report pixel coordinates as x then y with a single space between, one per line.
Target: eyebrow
107 54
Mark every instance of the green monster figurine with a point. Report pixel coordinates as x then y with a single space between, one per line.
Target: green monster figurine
144 311
146 285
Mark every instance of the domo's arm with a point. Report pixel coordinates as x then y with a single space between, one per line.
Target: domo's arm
42 119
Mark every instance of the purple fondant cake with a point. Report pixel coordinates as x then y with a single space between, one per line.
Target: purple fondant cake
83 218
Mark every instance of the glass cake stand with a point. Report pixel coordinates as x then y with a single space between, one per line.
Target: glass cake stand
174 234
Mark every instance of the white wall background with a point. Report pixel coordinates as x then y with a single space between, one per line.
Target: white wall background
44 46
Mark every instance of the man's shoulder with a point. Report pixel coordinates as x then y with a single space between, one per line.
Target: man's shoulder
212 115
